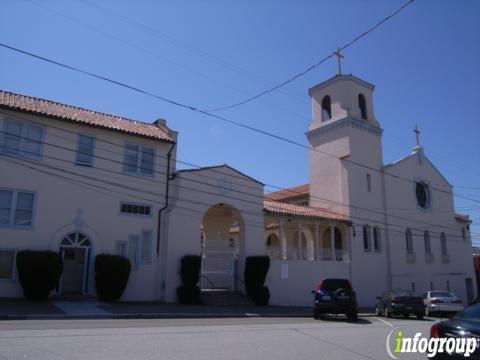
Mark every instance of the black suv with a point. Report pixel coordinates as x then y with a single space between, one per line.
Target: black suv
335 296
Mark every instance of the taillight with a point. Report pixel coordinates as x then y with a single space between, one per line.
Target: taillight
437 301
393 299
457 301
435 331
319 285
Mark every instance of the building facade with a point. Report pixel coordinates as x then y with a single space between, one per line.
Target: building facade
84 183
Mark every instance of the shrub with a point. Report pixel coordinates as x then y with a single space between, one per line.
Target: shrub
189 293
190 270
111 276
256 269
38 272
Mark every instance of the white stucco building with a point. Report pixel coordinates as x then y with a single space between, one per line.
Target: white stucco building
83 183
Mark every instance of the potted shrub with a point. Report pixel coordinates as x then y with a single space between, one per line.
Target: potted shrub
111 276
189 293
256 269
38 272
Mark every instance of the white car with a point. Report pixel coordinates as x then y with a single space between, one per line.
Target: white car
441 302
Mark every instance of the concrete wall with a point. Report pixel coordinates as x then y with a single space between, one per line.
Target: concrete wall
291 281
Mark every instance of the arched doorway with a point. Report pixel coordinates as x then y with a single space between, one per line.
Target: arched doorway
327 244
221 243
273 246
75 249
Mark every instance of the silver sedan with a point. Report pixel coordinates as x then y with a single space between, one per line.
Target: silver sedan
441 302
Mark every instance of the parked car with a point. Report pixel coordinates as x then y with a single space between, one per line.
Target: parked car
400 302
441 302
335 296
466 324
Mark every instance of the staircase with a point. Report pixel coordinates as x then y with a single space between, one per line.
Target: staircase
224 297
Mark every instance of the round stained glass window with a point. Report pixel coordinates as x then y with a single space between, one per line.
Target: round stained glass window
423 195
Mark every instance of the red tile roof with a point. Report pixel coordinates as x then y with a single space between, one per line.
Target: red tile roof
37 106
301 190
281 208
463 218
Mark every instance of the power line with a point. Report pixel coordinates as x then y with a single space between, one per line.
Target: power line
120 162
233 122
310 68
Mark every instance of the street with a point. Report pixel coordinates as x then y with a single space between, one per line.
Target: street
245 338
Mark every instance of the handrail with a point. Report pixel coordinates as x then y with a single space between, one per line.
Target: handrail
210 282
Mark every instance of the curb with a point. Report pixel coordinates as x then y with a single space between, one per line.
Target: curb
155 316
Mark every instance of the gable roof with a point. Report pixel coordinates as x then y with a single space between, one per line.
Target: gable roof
296 191
415 153
56 110
213 167
281 208
340 77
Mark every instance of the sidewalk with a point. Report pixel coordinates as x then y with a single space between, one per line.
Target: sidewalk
22 309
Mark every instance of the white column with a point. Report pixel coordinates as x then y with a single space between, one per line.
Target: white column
332 241
283 240
299 241
317 242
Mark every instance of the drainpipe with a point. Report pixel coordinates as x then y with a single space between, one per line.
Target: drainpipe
167 190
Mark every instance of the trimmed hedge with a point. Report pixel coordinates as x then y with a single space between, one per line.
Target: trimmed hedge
256 269
38 272
111 276
189 293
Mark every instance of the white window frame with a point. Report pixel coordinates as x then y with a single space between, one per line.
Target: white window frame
134 214
14 264
23 138
138 169
141 248
14 205
92 155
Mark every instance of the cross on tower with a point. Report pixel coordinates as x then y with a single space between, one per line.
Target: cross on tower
339 56
417 134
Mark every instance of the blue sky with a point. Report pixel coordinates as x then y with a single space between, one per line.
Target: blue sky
423 62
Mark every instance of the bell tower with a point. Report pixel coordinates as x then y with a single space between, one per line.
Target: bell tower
343 127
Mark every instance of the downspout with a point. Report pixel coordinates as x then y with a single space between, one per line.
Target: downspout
167 191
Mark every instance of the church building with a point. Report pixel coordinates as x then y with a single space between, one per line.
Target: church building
83 183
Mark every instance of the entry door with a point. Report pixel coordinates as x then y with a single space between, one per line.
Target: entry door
74 263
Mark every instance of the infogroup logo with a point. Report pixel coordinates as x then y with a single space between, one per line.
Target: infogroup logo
397 343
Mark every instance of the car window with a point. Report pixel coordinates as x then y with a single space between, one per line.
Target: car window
471 313
441 294
403 293
335 284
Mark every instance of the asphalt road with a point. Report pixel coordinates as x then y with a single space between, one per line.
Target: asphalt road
178 339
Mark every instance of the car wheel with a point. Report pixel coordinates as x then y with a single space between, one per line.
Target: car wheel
420 316
387 313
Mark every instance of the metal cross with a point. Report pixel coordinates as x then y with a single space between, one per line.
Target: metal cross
339 56
417 134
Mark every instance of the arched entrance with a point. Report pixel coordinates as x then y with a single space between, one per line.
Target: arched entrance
75 249
221 243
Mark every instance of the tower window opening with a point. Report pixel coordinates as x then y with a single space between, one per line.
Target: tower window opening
362 104
326 108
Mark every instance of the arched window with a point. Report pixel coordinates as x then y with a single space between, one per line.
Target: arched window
366 238
337 234
273 246
362 104
376 239
75 239
443 243
426 239
326 108
409 241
